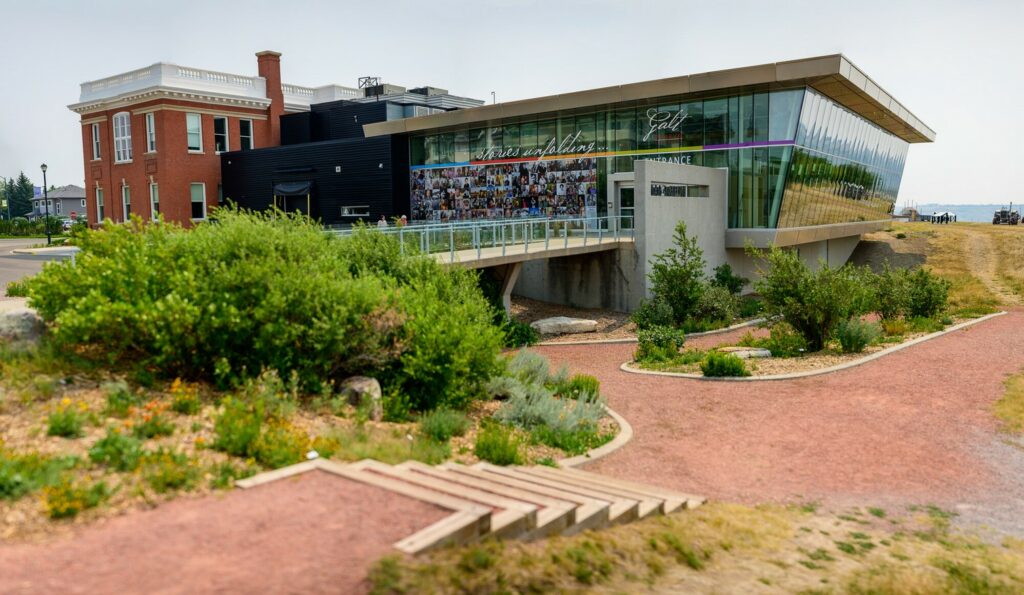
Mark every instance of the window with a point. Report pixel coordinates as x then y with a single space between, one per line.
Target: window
83 203
99 205
150 132
198 201
360 211
154 201
58 206
95 141
122 138
245 134
194 131
126 202
220 134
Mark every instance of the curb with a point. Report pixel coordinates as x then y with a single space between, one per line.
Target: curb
621 439
626 367
719 331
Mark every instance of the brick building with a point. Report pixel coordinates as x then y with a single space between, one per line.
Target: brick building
151 138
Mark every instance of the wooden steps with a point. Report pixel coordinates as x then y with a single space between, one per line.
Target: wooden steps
485 500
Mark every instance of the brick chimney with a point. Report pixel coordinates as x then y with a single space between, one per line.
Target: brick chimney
269 64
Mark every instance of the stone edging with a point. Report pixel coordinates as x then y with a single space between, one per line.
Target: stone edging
625 435
626 367
719 331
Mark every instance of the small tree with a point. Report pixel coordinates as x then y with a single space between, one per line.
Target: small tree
677 277
724 277
812 302
892 293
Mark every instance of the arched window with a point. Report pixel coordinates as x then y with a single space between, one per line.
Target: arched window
122 137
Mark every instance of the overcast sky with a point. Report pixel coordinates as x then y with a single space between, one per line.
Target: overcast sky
956 65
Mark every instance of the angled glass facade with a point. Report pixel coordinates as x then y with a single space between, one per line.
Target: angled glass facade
794 157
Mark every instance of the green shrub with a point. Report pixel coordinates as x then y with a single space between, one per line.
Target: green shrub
895 327
855 335
716 304
658 344
718 364
442 424
238 426
652 313
121 453
67 498
65 421
272 291
812 302
581 385
919 324
750 307
929 294
280 444
892 292
724 277
901 236
518 333
17 289
23 473
166 470
185 398
677 274
784 341
153 422
573 443
530 367
498 444
225 474
538 407
120 399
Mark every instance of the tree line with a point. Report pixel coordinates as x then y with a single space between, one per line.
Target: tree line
19 193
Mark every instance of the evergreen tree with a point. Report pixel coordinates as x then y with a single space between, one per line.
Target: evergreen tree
21 197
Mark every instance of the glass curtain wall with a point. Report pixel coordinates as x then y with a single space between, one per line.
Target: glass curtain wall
843 168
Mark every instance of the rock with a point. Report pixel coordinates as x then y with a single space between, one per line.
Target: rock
21 325
746 352
563 325
362 391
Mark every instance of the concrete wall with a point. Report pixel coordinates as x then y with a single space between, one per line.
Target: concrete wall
656 216
604 280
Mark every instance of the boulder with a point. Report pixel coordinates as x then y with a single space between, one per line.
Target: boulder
746 352
563 325
21 325
362 391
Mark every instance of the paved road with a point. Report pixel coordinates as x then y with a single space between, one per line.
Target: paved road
14 267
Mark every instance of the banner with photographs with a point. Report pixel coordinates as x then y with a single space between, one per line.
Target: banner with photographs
551 188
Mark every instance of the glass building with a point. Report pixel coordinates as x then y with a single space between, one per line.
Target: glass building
807 149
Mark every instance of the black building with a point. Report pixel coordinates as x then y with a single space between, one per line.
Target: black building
325 167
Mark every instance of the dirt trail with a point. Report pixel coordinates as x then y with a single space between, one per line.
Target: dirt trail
980 255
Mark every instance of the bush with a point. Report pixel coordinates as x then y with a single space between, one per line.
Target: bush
812 302
498 444
659 344
16 289
718 364
716 304
784 341
529 367
519 334
273 291
280 444
21 474
121 453
855 335
750 307
892 293
537 407
185 398
153 423
120 399
929 294
65 421
677 275
166 470
920 324
895 327
573 443
66 499
725 278
581 385
238 426
442 424
652 313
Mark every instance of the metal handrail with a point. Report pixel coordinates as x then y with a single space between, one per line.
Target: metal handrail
455 236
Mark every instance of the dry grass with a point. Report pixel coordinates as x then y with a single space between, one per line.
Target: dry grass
1010 408
727 548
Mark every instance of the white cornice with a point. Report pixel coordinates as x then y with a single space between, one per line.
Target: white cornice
154 93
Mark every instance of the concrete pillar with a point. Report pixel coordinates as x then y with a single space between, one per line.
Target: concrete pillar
507 275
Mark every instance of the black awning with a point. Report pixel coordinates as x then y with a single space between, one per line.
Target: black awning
293 188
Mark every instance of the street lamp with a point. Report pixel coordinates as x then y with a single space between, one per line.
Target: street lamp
46 205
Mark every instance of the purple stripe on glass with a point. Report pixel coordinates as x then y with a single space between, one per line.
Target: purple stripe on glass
769 143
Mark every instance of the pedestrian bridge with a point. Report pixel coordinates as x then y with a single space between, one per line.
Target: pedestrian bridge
486 243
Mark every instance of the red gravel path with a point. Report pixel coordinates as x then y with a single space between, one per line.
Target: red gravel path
315 533
904 427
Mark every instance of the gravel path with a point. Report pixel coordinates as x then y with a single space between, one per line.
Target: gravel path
315 533
913 427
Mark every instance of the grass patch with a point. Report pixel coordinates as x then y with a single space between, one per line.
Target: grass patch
1010 407
387 445
24 473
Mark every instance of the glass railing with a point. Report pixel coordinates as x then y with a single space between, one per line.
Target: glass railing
499 237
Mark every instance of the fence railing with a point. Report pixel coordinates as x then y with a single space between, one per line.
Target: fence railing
506 234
